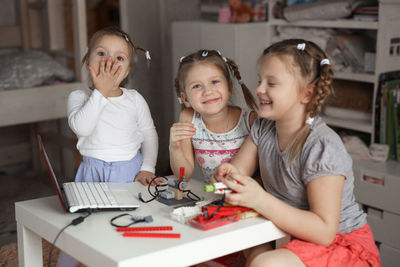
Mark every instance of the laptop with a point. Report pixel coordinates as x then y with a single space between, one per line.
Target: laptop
94 196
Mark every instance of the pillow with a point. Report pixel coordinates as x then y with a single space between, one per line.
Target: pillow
323 9
30 68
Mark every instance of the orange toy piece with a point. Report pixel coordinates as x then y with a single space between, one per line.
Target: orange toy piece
240 12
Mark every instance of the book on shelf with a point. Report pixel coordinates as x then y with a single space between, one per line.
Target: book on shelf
387 113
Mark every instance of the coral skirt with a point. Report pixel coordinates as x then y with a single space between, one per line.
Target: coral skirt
354 249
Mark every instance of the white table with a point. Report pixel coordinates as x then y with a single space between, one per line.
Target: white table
96 243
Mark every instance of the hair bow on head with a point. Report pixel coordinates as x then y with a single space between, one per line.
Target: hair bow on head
309 121
180 60
301 46
148 57
205 53
325 61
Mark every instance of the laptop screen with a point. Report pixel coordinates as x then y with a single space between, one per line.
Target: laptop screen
51 172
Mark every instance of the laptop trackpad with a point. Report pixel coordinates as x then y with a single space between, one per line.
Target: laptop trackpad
123 196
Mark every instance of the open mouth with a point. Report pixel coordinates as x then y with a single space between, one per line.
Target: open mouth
265 102
211 101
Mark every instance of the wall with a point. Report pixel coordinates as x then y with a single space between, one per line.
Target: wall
148 22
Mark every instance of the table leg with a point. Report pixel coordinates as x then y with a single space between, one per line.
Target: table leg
29 247
282 241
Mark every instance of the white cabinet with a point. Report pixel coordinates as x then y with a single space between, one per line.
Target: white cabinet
376 187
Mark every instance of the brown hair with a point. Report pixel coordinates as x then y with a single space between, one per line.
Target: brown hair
308 61
114 31
226 65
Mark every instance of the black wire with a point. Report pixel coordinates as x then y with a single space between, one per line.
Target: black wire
75 221
156 192
189 192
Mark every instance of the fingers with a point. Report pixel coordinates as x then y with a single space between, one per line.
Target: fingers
182 130
157 181
92 71
107 67
224 170
116 68
102 65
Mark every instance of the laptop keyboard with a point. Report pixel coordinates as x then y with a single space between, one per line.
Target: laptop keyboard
92 195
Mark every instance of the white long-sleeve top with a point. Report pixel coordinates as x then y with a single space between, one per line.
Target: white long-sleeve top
114 128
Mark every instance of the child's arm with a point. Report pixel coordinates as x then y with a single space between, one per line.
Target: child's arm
245 161
180 144
84 111
149 146
318 225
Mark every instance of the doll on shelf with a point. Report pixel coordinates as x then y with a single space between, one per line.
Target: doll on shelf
240 12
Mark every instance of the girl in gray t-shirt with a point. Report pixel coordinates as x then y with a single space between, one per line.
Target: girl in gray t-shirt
305 169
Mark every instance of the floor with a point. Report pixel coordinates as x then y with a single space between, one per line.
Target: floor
15 188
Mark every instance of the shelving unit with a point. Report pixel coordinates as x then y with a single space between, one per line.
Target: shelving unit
387 30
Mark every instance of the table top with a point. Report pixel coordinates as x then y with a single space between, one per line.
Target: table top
96 243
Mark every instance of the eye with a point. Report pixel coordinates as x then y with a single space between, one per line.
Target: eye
119 58
196 86
101 53
215 81
271 84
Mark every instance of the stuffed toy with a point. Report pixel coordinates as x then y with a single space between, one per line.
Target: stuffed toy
240 12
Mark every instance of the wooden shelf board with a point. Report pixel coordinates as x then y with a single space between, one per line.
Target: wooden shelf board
342 23
361 126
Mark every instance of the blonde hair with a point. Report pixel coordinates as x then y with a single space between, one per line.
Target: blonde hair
308 59
223 63
113 31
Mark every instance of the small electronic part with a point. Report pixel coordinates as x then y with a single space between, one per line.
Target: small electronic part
214 216
167 194
217 188
175 183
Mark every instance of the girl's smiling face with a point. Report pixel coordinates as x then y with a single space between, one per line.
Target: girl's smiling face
279 90
114 46
206 89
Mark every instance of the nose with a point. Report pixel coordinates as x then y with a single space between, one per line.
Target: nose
260 89
207 89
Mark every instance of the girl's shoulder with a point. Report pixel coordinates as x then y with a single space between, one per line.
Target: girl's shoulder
130 92
80 94
133 95
321 132
186 115
263 124
322 137
252 117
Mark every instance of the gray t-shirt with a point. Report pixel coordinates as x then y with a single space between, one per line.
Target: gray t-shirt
323 154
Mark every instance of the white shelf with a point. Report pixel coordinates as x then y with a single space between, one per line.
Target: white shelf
342 23
359 77
361 126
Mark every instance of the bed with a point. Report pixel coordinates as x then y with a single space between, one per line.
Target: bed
30 104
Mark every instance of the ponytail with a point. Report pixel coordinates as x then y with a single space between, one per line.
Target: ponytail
251 103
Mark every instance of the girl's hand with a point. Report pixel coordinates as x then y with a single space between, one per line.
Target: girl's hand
107 77
144 177
248 192
179 132
224 170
